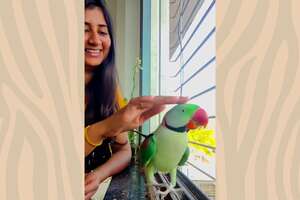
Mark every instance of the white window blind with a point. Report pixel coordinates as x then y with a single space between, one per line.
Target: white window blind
188 65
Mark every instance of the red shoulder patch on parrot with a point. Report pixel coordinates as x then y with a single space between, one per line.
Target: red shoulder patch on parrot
148 149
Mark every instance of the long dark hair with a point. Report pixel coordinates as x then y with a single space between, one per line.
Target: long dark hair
101 90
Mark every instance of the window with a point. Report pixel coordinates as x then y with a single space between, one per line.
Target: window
187 65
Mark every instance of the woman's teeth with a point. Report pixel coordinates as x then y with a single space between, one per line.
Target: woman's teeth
93 52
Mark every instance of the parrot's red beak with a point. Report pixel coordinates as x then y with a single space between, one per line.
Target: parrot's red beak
200 119
191 125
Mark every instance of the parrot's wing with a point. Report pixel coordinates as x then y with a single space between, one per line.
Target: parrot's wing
148 149
184 157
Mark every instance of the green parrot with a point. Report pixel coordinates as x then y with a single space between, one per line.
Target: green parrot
167 147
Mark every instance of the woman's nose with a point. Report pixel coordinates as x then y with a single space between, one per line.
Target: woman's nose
94 39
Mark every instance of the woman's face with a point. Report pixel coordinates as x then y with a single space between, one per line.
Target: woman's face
96 38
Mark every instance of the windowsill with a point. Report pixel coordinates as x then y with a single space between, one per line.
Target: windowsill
130 184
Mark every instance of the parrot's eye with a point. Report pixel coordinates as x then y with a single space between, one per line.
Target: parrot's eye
182 110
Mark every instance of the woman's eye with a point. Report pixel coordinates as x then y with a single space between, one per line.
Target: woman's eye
102 33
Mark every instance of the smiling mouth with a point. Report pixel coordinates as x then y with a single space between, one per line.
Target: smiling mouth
93 52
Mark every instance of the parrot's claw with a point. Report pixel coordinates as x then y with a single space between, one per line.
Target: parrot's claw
169 189
160 185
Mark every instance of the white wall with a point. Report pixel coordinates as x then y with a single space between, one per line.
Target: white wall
126 24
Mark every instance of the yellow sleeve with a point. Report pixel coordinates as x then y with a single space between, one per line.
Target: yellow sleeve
121 138
120 99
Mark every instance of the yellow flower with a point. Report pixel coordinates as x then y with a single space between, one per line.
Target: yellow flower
202 140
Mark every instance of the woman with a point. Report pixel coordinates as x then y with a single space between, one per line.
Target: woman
107 149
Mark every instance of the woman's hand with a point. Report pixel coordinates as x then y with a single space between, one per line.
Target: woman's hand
119 160
133 115
91 184
138 110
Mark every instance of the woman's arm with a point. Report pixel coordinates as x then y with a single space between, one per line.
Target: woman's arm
120 159
96 133
133 115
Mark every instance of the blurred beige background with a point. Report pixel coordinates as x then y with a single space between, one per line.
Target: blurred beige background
41 100
258 101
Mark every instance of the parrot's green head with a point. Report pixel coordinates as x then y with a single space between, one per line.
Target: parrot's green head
183 117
